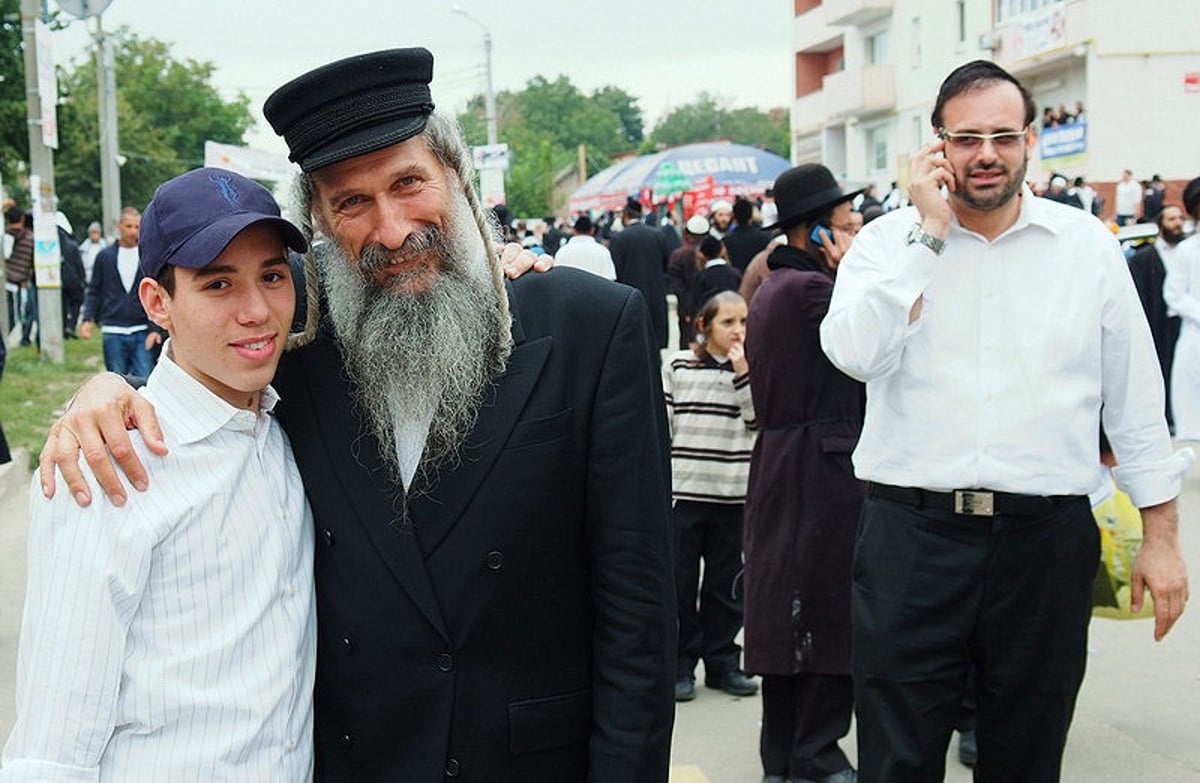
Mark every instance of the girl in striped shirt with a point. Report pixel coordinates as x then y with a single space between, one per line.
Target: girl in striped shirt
707 390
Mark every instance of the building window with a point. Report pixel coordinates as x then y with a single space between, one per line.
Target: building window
877 48
918 131
962 21
1006 9
877 148
916 42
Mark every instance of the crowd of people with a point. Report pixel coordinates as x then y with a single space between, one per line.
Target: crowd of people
872 450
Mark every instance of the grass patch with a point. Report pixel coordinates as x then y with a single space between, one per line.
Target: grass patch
33 392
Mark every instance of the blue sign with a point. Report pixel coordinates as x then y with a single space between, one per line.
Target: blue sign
1065 140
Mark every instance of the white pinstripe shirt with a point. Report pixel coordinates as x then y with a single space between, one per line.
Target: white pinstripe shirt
173 639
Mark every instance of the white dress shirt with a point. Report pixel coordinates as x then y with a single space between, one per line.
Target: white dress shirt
584 252
1129 195
1181 292
999 382
173 639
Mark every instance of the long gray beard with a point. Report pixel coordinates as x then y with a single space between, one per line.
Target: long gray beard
412 353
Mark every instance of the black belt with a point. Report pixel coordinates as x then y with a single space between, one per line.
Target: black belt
972 502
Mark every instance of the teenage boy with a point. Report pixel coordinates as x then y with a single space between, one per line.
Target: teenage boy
174 638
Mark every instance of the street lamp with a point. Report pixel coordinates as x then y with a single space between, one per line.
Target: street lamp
490 97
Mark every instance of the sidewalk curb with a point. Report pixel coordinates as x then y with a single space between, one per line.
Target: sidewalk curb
14 476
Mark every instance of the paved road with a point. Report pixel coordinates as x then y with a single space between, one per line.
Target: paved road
1136 720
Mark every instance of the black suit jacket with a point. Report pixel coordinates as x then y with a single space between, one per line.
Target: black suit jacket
639 254
743 243
1149 274
518 623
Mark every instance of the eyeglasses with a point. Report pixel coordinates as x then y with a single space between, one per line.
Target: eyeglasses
1004 141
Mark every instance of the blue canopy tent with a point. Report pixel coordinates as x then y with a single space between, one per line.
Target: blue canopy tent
709 170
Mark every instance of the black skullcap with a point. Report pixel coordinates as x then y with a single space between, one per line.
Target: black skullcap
353 106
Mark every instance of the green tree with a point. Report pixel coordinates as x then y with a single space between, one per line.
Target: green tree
166 110
14 134
543 124
705 119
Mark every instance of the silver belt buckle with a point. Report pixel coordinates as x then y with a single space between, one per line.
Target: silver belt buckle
973 503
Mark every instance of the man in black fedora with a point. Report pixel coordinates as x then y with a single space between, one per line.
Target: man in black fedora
995 332
486 464
803 501
640 255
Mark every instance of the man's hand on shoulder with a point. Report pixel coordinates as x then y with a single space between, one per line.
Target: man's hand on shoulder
516 261
96 423
1159 566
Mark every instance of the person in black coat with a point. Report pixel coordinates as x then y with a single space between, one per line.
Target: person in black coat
640 254
717 274
744 240
74 284
487 465
1149 273
803 501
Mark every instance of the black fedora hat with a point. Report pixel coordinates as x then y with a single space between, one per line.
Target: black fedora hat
805 192
353 106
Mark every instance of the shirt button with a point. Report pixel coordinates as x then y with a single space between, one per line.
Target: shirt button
445 662
345 740
495 559
328 536
452 768
291 746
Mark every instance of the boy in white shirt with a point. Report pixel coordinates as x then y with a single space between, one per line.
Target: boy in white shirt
174 638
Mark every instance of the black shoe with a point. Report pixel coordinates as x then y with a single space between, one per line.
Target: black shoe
735 683
847 775
685 690
968 752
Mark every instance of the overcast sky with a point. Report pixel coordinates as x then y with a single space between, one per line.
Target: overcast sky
665 52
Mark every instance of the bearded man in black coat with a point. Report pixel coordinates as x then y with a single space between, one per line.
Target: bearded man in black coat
486 464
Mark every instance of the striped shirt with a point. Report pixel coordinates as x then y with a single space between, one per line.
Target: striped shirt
173 639
712 428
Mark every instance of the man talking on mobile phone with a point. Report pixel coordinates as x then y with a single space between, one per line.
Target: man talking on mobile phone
995 331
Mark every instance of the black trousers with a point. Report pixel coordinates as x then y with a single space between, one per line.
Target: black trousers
709 622
804 716
936 593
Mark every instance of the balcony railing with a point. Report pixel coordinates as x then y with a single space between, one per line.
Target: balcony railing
853 13
861 91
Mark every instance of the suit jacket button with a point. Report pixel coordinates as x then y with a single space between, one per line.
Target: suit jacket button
345 740
347 644
452 768
328 536
495 559
445 662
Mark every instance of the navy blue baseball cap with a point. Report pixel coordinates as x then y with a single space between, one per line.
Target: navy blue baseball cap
193 218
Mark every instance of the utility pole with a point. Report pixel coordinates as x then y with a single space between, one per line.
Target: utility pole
41 169
106 94
491 179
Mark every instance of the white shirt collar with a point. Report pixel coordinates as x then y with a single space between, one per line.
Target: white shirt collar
194 410
1035 211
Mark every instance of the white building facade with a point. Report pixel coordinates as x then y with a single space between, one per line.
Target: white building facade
868 71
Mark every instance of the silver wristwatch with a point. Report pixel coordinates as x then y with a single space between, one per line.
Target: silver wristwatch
918 237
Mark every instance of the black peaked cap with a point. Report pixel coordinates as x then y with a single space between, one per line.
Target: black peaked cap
353 106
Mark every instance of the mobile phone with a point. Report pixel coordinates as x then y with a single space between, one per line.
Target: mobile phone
815 234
